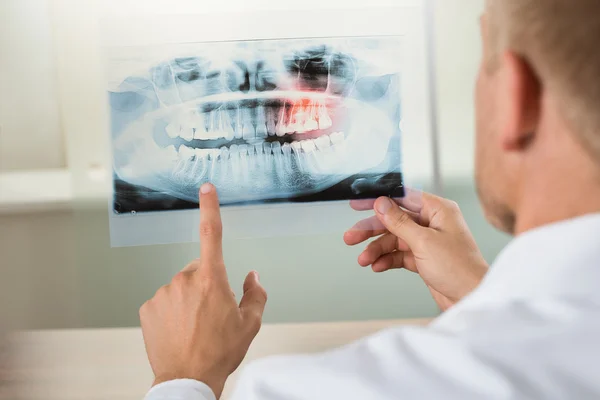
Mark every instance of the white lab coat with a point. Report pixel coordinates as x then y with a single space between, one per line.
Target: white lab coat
530 331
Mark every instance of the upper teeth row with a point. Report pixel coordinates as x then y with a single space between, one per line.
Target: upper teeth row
249 123
306 146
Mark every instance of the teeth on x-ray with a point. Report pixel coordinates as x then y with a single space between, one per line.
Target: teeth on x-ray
260 120
255 123
304 146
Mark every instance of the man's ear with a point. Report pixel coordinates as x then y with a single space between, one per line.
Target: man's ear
520 94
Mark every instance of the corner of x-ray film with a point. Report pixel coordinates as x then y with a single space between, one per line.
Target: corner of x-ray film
294 120
411 202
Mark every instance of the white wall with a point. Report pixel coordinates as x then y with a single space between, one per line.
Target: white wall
30 123
458 52
30 130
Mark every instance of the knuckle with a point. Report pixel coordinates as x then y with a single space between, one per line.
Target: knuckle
255 322
210 229
161 292
184 280
178 279
262 295
192 266
451 206
181 280
207 278
143 310
373 248
211 286
146 310
402 219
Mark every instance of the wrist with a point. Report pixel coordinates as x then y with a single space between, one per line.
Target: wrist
470 279
474 278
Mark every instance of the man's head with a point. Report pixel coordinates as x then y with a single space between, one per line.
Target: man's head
538 101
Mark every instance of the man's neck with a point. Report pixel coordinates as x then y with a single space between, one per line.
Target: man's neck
556 198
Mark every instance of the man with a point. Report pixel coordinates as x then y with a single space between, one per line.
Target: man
527 329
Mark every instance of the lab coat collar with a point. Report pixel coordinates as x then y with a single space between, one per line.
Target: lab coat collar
560 261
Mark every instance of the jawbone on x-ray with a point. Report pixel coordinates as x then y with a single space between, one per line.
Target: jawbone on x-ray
265 121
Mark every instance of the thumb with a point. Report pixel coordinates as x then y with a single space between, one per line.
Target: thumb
253 302
398 222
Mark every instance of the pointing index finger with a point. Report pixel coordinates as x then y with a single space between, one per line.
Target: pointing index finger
211 228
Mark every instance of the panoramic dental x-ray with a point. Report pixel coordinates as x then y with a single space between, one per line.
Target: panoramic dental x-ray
294 120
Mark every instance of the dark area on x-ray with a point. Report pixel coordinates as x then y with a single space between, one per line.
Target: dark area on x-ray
130 199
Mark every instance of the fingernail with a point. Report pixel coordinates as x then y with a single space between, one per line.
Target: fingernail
383 205
206 188
256 276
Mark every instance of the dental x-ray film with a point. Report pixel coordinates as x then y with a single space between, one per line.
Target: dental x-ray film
289 122
265 121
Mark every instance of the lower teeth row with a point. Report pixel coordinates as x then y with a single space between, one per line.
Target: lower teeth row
304 146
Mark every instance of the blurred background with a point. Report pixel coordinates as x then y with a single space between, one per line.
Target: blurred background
58 270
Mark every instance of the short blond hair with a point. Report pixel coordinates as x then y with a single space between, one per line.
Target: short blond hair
560 41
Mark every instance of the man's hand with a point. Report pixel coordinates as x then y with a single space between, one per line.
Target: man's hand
424 234
193 327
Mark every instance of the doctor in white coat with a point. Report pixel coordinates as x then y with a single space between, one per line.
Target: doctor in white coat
526 328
